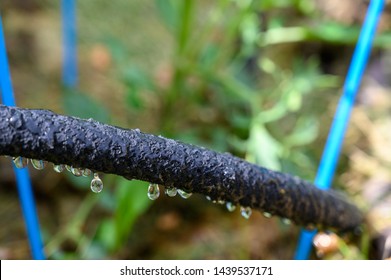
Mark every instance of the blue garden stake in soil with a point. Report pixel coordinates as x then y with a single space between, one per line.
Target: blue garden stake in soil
69 66
22 176
332 149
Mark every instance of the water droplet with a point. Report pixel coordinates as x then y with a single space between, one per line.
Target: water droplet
58 168
76 171
220 201
38 164
267 215
86 172
96 184
208 198
16 120
286 221
245 212
153 191
20 162
117 150
184 194
229 173
69 168
230 206
171 191
137 130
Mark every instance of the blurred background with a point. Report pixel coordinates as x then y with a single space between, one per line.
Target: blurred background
258 79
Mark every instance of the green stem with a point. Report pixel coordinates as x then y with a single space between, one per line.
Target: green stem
177 86
73 229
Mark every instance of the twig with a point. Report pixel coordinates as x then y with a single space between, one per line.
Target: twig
42 134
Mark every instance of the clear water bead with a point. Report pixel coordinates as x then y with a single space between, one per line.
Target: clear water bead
96 184
171 191
76 171
58 168
286 221
38 164
16 120
20 162
184 194
230 206
245 212
153 191
267 215
86 172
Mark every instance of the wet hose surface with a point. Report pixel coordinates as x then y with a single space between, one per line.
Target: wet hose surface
42 134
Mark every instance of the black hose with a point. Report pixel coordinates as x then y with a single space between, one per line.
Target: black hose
42 134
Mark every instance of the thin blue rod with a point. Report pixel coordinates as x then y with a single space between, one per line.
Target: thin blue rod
332 149
69 65
22 176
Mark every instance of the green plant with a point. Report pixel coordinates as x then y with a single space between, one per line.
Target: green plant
235 81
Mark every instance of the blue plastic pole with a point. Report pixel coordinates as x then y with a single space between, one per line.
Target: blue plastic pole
22 176
332 149
69 65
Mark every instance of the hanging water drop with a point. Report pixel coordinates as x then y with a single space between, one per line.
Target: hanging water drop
20 162
38 164
76 171
230 206
68 167
171 191
184 194
286 221
153 191
16 120
86 172
58 168
245 212
96 184
267 215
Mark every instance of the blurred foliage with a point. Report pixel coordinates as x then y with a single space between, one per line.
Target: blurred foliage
222 89
238 76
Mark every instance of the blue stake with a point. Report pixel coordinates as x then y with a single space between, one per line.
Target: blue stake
332 149
69 65
22 176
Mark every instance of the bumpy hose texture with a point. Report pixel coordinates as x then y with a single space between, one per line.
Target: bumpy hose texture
42 134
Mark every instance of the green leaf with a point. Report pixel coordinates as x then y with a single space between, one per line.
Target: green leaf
83 106
294 100
132 201
133 98
117 49
135 77
169 12
137 82
106 234
262 148
305 132
208 56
